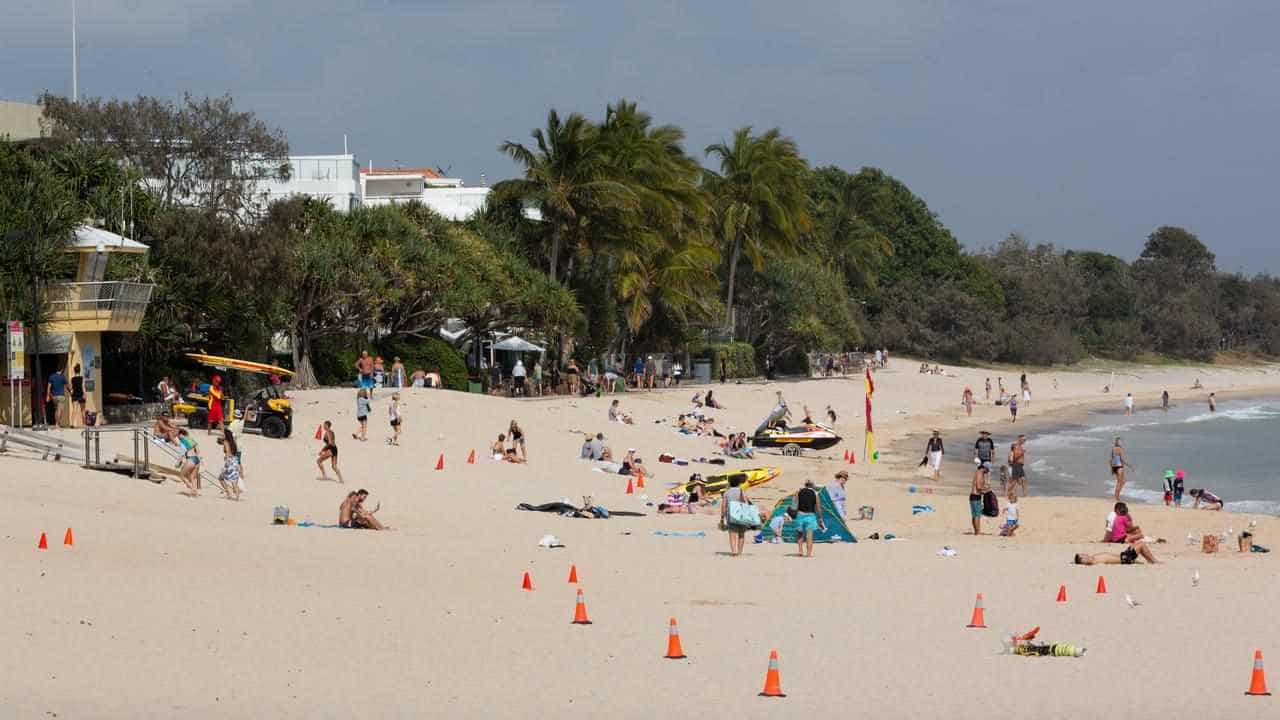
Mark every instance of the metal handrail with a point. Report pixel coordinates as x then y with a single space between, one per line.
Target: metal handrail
93 447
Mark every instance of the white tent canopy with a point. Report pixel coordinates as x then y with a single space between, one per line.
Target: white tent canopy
515 343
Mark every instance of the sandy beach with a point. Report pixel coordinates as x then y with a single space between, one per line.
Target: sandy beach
171 606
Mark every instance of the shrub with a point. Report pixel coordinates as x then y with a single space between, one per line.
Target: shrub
427 354
739 359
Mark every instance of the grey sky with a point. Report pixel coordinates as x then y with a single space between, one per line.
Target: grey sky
1085 124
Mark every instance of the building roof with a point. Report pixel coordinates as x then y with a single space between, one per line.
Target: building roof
425 172
92 239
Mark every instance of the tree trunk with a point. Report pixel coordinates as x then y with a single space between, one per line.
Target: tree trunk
555 252
734 253
304 375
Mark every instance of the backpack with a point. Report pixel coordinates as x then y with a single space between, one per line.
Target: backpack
990 506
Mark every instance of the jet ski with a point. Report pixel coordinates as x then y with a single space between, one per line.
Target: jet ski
773 432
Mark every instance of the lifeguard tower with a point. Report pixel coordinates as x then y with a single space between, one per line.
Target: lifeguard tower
78 313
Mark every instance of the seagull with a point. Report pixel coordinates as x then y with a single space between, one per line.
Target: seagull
1195 579
1129 599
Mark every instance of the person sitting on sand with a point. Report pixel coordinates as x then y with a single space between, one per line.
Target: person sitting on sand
631 465
1211 501
1128 556
585 452
165 429
1196 385
418 378
711 401
345 510
362 517
616 414
1118 524
499 447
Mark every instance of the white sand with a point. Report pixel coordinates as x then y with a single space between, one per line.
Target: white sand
176 607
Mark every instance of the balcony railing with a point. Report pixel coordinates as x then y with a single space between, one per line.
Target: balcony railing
119 304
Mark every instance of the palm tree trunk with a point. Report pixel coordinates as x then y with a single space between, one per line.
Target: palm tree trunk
734 254
555 252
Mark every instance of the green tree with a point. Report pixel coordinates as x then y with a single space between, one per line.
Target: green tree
759 202
1177 294
39 211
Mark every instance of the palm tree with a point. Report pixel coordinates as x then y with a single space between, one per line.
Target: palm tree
759 200
568 176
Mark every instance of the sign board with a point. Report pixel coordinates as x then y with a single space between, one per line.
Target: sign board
17 353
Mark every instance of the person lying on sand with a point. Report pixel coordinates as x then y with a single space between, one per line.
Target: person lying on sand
1128 556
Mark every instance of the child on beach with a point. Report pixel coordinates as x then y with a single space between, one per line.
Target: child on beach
1179 485
1211 501
190 468
1168 487
232 477
393 413
499 447
1013 409
1010 525
362 414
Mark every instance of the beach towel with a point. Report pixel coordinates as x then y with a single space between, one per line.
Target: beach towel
917 509
680 533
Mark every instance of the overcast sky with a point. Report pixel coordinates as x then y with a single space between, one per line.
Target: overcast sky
1085 124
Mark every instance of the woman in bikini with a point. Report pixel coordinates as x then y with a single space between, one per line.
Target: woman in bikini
329 452
1118 465
517 440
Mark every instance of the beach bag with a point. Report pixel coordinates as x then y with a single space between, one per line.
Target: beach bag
990 506
280 516
1209 544
743 514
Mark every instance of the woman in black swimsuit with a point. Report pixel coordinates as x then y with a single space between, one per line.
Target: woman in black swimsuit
77 396
329 452
517 440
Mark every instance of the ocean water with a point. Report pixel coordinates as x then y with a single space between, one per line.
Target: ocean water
1234 453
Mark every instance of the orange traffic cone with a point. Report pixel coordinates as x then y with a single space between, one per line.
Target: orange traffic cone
631 489
573 574
979 619
580 611
528 582
1258 682
440 462
319 431
846 456
853 460
674 651
1062 593
44 542
68 539
772 682
471 459
640 481
1102 585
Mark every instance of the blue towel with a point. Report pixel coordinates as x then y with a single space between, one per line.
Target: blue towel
315 525
680 533
917 509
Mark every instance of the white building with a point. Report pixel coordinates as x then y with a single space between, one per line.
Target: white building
449 197
332 178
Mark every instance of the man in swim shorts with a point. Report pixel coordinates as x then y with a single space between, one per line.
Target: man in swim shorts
1017 460
981 484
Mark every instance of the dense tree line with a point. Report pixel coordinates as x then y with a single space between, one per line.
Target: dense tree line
614 238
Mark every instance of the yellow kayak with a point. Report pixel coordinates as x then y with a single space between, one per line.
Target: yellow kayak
716 484
226 363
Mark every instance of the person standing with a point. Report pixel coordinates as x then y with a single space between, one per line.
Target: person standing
364 369
537 377
879 358
517 440
362 415
980 486
1017 465
572 372
966 399
56 391
393 416
933 449
231 479
1164 400
1128 404
518 374
1118 465
808 518
984 449
839 496
189 470
1213 403
77 398
399 378
1013 409
988 388
677 371
215 404
1026 392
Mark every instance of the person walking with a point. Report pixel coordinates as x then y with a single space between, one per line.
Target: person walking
518 374
808 518
737 531
1128 404
231 479
1013 409
393 416
933 449
56 391
984 449
329 452
362 415
215 404
1164 400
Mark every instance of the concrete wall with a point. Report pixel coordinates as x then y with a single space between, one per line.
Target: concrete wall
19 121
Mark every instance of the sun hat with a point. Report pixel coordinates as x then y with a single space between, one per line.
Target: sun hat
1180 475
1168 473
